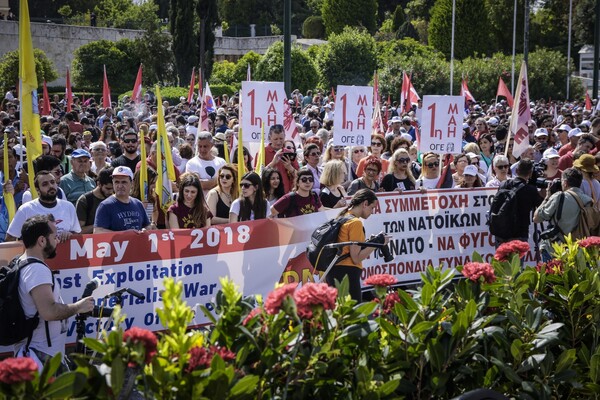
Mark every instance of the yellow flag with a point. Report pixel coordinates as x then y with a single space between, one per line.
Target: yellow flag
143 168
9 199
260 163
226 151
164 159
240 153
30 115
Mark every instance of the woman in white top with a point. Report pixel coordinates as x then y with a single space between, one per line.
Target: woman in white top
251 205
430 172
272 185
500 166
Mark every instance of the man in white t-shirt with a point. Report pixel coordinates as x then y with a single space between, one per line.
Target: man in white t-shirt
205 164
63 211
39 293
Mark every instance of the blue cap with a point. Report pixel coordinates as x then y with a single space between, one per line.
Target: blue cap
80 153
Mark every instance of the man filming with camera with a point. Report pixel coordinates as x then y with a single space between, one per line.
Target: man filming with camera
562 208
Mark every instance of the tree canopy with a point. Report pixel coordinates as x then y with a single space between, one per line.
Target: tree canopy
9 69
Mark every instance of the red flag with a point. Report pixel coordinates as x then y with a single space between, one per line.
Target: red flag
521 115
588 102
106 102
69 93
289 125
46 103
446 181
375 88
136 96
504 92
333 93
465 92
192 85
388 107
408 95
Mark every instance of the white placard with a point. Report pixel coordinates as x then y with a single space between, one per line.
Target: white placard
353 112
262 103
441 124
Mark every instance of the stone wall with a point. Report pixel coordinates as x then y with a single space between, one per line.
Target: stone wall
59 42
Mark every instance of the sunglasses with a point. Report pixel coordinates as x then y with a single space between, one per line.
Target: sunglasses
130 141
338 149
315 154
245 185
502 166
433 164
376 144
371 170
100 150
305 179
403 160
225 176
358 151
290 148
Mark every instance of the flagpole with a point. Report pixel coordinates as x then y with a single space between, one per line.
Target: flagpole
569 48
452 46
512 73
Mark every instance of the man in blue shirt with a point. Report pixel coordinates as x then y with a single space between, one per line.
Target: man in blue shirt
121 212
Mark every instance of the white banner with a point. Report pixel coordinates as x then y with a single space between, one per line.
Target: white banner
352 119
441 124
262 104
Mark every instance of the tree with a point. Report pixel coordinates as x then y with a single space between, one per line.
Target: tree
500 17
471 33
304 71
223 73
184 41
153 49
349 58
241 67
313 27
338 14
207 10
9 69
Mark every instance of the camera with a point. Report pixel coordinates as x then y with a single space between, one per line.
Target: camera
385 250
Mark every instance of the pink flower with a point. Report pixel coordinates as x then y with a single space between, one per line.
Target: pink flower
314 294
388 302
252 314
476 270
201 357
16 370
275 298
551 267
592 241
145 337
505 250
383 280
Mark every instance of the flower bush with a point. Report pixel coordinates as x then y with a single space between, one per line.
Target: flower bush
525 332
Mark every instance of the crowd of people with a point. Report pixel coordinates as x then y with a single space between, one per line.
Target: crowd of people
89 172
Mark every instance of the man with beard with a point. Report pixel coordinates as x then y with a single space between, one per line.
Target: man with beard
47 203
130 156
39 295
205 164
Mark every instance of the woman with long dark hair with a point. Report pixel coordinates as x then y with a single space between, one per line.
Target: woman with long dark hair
190 210
272 185
302 200
251 205
221 197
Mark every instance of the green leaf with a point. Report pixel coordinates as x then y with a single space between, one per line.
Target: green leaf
366 309
66 385
343 287
391 329
551 328
595 368
408 301
566 359
426 294
245 385
388 388
117 375
95 345
359 330
515 349
423 326
50 368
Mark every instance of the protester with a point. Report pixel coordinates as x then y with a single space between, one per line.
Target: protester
500 168
302 200
88 203
272 185
372 169
332 193
399 177
190 209
205 164
251 205
40 295
221 197
430 173
77 182
130 156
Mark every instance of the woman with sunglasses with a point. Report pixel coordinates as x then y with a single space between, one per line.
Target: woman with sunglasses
251 205
333 193
369 179
430 172
312 158
272 185
500 168
357 154
108 134
378 145
338 153
399 177
190 210
221 197
302 200
460 163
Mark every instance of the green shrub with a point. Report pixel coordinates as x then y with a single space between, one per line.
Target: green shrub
223 73
313 27
9 69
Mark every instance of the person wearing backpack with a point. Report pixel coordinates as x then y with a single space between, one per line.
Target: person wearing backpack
510 211
361 205
562 209
40 296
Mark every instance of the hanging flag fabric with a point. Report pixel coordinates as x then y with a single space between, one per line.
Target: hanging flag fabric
409 95
226 151
504 92
199 85
249 73
190 95
106 101
164 159
588 102
465 92
289 125
46 108
333 94
30 114
208 99
521 115
136 95
69 93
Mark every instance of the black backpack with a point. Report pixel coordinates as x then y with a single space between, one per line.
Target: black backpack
503 216
15 325
321 257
